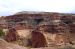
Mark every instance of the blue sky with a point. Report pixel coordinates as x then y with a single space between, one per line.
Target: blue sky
9 7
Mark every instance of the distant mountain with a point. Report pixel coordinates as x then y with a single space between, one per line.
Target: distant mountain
41 12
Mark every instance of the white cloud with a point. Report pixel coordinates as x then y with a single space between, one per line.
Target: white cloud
13 6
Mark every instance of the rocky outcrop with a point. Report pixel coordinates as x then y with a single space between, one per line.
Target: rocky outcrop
38 40
59 28
12 35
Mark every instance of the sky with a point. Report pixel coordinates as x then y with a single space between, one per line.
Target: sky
9 7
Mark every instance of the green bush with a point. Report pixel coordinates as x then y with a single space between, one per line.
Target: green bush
1 33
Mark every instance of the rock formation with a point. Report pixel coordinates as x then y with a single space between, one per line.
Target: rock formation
38 39
11 35
62 32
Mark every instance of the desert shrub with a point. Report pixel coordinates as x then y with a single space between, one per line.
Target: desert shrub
1 33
